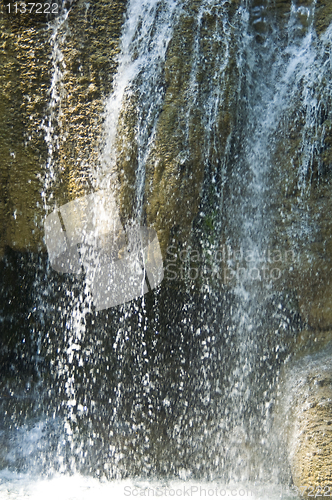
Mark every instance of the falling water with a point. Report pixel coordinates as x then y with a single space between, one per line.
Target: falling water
177 387
146 35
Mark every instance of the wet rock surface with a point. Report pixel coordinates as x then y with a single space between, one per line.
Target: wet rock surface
307 398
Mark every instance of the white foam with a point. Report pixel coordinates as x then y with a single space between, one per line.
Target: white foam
15 486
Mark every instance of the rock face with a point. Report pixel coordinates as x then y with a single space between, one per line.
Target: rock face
52 127
25 81
51 139
306 415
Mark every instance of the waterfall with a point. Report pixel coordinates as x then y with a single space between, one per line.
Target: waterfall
217 110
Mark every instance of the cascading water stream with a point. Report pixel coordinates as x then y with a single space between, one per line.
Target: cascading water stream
269 79
145 38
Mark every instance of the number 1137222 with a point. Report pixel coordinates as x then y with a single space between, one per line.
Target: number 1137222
32 8
313 491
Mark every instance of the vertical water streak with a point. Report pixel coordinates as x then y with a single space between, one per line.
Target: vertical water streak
62 304
146 34
51 124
